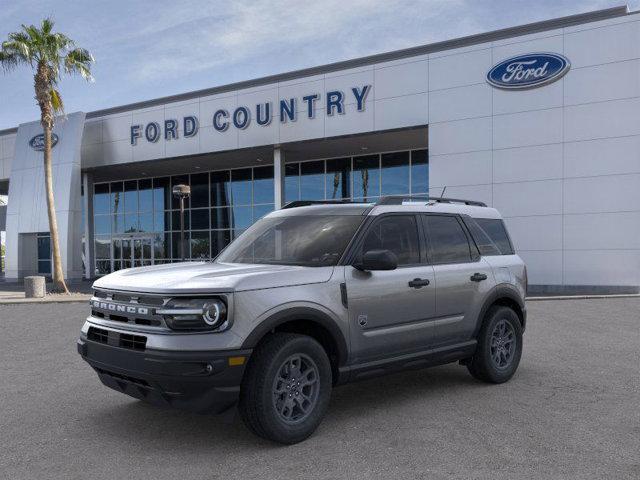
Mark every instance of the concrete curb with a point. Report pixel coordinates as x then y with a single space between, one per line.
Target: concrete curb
582 297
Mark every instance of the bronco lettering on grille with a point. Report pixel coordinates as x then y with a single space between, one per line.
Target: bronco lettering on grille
116 307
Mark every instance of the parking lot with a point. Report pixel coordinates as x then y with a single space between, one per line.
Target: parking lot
571 411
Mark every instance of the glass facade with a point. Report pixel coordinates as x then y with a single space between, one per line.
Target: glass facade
360 178
137 222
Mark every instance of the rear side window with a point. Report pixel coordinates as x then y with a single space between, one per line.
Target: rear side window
486 246
496 231
447 240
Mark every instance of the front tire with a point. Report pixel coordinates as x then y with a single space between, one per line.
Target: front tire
286 389
499 346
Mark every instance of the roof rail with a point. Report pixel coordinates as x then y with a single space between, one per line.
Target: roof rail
306 203
400 199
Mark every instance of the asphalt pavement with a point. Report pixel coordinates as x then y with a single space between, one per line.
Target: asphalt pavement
571 412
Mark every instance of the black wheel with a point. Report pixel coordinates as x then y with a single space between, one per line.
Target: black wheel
499 346
286 389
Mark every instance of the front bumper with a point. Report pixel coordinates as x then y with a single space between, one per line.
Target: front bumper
202 382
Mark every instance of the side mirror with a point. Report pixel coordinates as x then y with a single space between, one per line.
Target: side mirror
378 260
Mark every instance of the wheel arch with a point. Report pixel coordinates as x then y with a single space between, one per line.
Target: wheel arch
307 321
504 295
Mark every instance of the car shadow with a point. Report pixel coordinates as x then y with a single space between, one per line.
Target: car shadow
169 428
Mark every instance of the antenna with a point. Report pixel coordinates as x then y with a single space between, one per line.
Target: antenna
444 189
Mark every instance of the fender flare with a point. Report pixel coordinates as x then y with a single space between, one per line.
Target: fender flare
503 290
300 313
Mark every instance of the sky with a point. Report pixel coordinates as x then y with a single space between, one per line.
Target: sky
150 49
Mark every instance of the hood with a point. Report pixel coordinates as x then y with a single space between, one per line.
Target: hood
209 277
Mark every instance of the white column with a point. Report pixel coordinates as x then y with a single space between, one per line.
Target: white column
87 186
278 177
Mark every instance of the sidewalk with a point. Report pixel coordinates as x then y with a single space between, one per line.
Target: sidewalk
12 293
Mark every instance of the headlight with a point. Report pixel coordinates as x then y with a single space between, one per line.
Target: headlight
195 314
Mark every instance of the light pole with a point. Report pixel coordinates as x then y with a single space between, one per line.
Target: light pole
181 192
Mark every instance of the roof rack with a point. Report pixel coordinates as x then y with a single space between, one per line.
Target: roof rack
400 199
306 203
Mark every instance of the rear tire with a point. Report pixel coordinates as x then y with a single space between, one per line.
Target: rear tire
499 347
286 389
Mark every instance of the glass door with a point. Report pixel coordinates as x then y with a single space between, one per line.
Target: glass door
131 251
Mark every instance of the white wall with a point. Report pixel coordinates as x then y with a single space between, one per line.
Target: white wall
561 162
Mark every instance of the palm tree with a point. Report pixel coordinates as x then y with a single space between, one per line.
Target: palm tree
47 53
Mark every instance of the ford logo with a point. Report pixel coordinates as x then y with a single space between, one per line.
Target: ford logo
37 142
528 71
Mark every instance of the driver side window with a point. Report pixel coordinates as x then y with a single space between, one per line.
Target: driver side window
397 233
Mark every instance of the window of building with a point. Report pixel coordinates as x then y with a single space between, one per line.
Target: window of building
398 234
44 253
447 240
395 173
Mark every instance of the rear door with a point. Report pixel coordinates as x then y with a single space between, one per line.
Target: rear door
390 311
462 278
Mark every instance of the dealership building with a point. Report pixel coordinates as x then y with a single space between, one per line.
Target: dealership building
541 121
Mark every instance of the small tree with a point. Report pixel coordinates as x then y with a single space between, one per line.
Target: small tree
47 53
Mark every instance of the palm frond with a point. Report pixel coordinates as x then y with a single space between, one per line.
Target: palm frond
79 60
56 101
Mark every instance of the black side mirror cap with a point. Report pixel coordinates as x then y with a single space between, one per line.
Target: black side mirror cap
377 260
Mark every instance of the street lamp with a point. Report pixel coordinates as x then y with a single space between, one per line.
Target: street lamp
181 192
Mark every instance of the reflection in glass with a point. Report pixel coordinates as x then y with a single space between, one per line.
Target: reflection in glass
102 224
118 223
161 245
241 186
200 219
101 199
161 221
242 217
131 222
102 247
161 194
395 173
219 240
420 171
130 196
175 220
145 222
220 218
117 190
366 177
263 185
200 190
200 245
220 189
312 180
338 178
145 195
292 182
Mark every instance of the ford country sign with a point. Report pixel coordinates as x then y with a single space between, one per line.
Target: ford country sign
528 71
37 142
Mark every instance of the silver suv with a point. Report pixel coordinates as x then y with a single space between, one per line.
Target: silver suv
312 296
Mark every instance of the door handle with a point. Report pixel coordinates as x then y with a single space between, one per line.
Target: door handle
478 277
418 283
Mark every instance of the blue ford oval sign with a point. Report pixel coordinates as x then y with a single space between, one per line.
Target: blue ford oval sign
37 142
528 71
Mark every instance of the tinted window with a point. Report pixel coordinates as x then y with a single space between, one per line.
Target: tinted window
484 243
494 228
314 240
447 240
398 234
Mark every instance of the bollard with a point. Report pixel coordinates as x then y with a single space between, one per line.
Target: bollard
34 287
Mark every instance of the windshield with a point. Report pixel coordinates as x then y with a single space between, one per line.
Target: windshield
312 241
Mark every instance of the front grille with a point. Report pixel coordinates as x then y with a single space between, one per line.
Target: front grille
134 342
98 335
128 308
117 339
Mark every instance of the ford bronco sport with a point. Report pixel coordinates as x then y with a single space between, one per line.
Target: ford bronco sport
312 296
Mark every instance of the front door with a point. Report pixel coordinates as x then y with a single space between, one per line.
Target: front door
390 311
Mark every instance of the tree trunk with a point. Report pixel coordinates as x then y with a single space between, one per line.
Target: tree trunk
59 284
42 84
